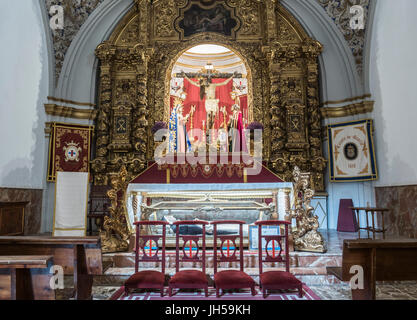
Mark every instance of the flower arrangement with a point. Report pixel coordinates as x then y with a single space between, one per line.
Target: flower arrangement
255 125
158 126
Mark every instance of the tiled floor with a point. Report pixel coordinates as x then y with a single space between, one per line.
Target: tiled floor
397 291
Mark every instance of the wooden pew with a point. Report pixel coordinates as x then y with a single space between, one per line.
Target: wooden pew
78 256
381 260
24 283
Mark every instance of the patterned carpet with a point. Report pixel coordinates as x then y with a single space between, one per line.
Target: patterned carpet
243 294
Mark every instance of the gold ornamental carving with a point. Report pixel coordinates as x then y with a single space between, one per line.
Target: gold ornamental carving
348 110
305 234
85 104
115 233
283 87
70 112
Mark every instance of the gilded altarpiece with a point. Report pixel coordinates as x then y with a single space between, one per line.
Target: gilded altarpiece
135 69
135 66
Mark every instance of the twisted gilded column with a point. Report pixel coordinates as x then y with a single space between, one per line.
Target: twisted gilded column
140 122
311 50
105 53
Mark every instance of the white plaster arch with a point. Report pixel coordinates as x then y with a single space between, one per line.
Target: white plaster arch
77 80
367 48
339 77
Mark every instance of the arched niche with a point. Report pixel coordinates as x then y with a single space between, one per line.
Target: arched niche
247 75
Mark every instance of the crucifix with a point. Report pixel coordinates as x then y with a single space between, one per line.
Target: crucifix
208 89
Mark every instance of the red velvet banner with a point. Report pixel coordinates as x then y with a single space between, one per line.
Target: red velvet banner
69 149
201 173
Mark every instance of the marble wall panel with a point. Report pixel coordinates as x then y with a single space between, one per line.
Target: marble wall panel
401 220
33 210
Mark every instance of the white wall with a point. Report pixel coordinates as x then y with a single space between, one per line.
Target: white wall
23 89
393 83
361 193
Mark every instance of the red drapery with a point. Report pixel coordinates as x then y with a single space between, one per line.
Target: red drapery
222 93
156 174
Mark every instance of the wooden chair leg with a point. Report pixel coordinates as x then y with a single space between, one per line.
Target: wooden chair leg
253 291
162 291
170 291
264 293
217 292
300 291
206 291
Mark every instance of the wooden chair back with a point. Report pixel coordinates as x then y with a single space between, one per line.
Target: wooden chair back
189 243
275 253
228 246
147 248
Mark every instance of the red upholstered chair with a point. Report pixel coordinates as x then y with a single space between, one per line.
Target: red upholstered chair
190 279
147 250
230 279
275 280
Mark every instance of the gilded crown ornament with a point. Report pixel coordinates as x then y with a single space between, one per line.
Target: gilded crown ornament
72 151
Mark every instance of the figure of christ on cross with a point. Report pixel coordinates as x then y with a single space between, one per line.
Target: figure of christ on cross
208 91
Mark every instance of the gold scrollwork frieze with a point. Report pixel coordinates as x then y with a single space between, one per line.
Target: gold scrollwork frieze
87 104
348 110
70 112
365 96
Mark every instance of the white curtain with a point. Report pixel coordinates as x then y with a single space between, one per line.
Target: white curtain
71 199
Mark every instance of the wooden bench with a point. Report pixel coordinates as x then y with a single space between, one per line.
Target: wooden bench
22 284
78 256
381 260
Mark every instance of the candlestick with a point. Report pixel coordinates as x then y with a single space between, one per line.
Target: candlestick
191 115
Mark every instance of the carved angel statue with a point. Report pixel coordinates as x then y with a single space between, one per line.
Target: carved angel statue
306 236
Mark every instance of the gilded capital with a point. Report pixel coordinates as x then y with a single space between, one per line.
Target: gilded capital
312 48
105 51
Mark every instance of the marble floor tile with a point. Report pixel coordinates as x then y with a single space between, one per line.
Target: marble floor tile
340 291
